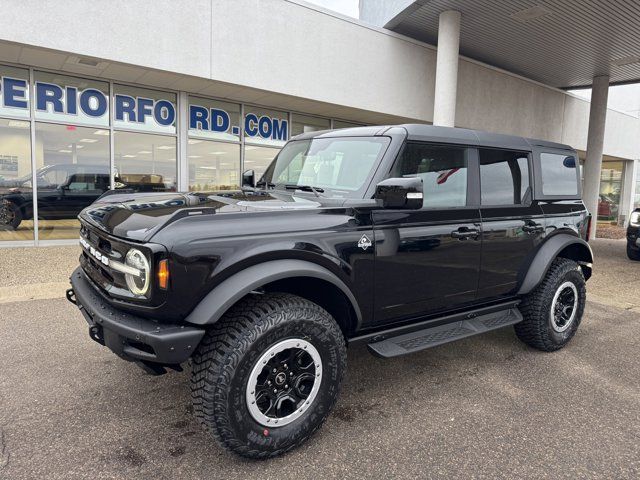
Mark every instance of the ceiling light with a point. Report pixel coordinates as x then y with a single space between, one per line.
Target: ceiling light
194 156
79 146
88 140
18 124
217 153
101 132
166 147
208 168
88 62
249 161
529 14
128 156
144 152
64 151
625 61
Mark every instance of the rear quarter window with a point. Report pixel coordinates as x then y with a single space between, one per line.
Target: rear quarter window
559 174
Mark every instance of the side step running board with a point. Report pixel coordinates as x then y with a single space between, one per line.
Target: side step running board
434 336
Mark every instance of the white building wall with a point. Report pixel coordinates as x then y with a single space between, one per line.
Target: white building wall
295 49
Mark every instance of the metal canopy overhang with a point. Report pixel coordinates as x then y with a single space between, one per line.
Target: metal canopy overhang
562 43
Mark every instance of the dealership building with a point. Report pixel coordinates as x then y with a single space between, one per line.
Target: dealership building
165 95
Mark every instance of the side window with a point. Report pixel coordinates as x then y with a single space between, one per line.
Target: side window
559 176
504 177
443 170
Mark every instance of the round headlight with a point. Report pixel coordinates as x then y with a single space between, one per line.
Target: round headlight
138 284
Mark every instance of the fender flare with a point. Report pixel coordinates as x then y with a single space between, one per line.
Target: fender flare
547 254
226 294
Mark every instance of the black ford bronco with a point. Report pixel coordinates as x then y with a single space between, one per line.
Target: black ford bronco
401 237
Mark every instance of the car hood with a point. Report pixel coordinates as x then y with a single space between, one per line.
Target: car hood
139 216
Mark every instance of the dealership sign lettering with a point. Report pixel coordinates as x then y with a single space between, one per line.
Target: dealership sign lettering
91 106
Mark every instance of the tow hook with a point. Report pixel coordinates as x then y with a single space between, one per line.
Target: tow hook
71 296
95 332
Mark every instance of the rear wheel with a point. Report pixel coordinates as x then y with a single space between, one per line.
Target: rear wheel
267 375
10 215
553 311
633 253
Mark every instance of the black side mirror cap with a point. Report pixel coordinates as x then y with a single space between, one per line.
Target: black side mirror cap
401 193
249 178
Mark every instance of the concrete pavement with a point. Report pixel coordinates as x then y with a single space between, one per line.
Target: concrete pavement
483 407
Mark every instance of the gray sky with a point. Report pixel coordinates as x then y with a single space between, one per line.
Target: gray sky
346 7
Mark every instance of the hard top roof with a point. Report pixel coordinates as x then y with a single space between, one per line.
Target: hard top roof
431 133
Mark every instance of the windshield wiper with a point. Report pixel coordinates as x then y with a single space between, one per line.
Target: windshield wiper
305 188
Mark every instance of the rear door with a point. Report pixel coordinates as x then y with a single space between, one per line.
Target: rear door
512 223
428 260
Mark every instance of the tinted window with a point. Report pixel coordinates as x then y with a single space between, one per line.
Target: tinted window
558 174
504 177
443 171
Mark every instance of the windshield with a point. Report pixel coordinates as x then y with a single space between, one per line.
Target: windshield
337 166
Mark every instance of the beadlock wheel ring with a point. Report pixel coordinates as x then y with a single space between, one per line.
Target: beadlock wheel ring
294 393
564 307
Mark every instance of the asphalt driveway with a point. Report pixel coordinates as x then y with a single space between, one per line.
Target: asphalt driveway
483 407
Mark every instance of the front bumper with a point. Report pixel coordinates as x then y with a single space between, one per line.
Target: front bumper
130 337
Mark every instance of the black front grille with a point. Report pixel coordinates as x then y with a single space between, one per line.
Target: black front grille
110 280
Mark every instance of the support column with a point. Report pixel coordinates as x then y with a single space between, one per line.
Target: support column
444 104
628 192
595 142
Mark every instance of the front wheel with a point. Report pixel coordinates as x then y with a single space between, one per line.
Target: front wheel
553 311
267 375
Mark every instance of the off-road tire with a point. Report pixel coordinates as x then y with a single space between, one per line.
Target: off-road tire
633 253
536 328
229 351
17 216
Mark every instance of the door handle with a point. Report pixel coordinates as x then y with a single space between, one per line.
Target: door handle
533 227
463 233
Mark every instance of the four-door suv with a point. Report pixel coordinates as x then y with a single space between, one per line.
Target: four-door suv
401 237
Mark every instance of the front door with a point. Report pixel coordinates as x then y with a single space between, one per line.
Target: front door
512 223
428 260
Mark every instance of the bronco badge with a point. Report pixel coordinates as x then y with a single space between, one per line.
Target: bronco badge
364 242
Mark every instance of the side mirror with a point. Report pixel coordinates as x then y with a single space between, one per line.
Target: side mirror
249 179
402 193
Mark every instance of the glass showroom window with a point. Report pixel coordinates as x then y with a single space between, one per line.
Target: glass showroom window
61 98
144 162
265 127
72 171
610 188
258 158
263 130
213 165
305 123
16 194
16 191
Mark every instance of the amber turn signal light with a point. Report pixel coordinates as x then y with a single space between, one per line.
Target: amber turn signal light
163 274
